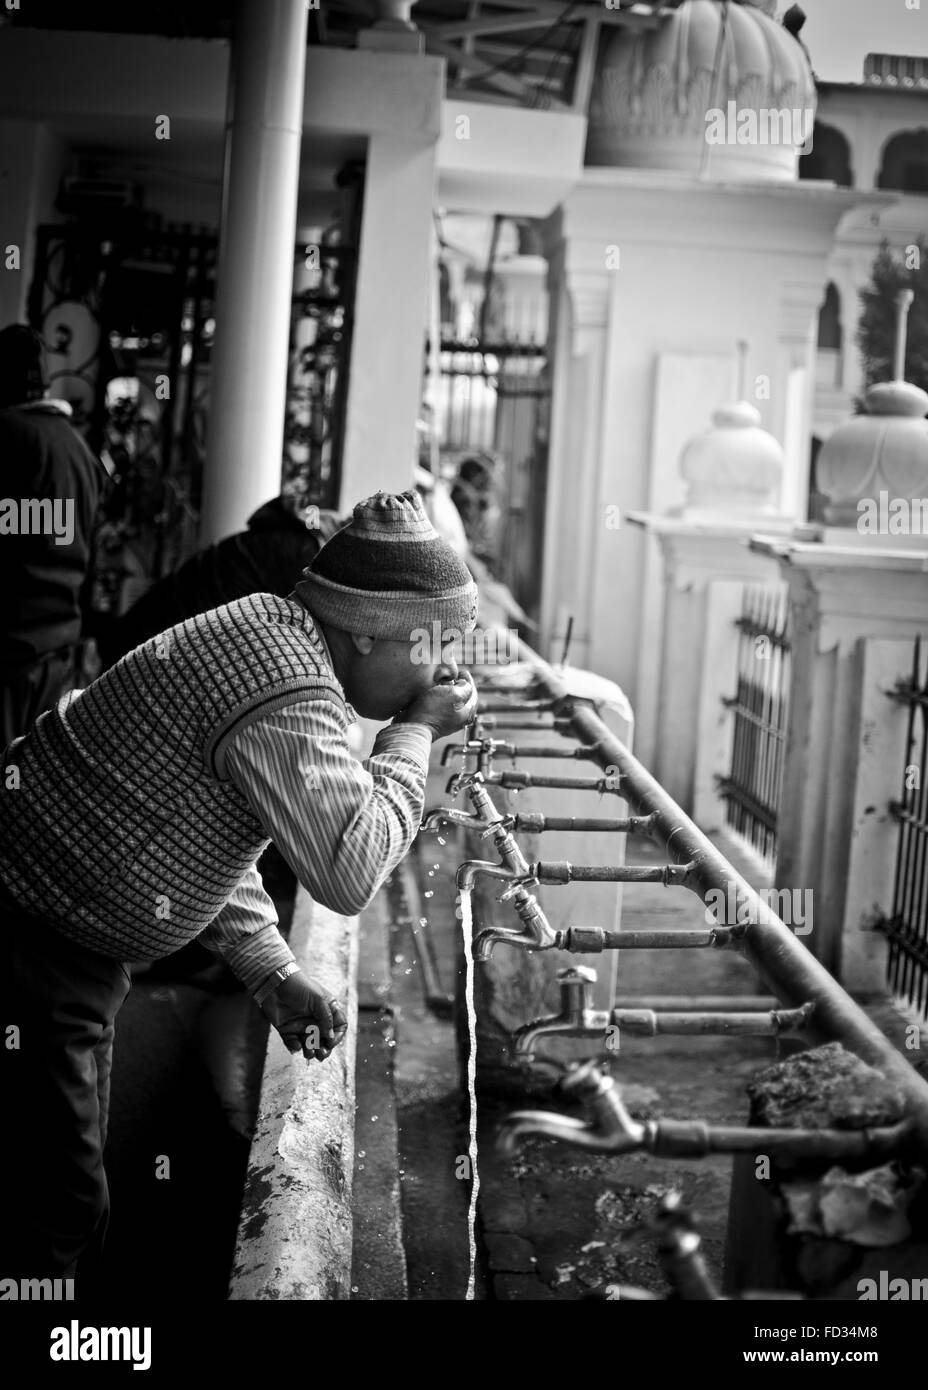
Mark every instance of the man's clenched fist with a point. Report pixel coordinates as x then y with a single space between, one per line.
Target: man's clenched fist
307 1016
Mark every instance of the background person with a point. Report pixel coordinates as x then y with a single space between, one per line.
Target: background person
41 457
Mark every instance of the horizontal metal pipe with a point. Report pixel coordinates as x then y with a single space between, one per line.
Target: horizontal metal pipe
784 963
649 1023
561 871
693 1138
518 750
534 823
519 781
683 1003
647 940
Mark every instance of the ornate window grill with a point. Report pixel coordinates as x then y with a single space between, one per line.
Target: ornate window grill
907 925
760 709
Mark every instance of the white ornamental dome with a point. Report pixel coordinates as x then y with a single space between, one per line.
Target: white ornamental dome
884 451
720 89
735 467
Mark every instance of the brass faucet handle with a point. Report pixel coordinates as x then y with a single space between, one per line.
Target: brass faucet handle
506 822
518 884
586 1080
462 782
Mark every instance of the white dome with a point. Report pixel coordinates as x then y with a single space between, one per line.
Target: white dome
734 467
720 88
885 451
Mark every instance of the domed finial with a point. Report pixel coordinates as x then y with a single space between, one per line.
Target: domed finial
733 468
742 350
794 19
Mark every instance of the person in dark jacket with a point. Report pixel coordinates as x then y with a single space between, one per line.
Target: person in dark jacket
278 543
50 486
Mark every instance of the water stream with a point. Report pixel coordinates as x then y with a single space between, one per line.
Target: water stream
464 899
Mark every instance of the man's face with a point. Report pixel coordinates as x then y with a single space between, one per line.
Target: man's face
383 676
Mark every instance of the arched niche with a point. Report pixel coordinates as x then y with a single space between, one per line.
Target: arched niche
904 162
829 158
829 319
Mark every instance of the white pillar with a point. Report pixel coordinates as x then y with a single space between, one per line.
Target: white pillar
579 298
255 281
390 318
706 567
31 161
839 596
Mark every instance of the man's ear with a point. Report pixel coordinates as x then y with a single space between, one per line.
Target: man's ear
365 645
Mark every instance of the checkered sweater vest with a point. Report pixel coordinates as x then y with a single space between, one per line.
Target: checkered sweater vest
124 830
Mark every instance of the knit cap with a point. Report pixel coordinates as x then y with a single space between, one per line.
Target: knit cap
388 573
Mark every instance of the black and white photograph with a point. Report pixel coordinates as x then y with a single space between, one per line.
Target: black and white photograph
463 678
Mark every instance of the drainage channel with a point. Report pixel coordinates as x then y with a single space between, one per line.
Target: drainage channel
596 1113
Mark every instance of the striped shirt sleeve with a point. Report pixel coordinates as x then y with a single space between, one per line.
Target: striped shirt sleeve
342 825
244 933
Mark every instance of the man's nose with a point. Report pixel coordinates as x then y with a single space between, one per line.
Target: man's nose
446 670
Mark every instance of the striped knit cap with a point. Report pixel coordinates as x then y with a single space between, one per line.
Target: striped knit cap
388 573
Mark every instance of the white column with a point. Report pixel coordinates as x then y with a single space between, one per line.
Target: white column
880 747
580 312
31 162
390 318
838 598
706 567
793 404
255 281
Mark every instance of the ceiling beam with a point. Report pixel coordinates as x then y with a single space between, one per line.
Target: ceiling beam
551 10
496 24
468 62
586 62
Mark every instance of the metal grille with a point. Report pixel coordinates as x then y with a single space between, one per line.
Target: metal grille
127 319
760 710
907 927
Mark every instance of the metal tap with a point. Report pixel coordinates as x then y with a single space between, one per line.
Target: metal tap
578 1018
610 1130
537 934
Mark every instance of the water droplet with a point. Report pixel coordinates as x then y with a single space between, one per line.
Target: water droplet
398 960
375 1117
436 866
407 972
354 1288
362 1153
423 921
428 893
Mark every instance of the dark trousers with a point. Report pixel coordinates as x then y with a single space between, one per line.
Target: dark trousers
27 693
58 1003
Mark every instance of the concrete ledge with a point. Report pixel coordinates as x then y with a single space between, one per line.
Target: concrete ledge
295 1230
